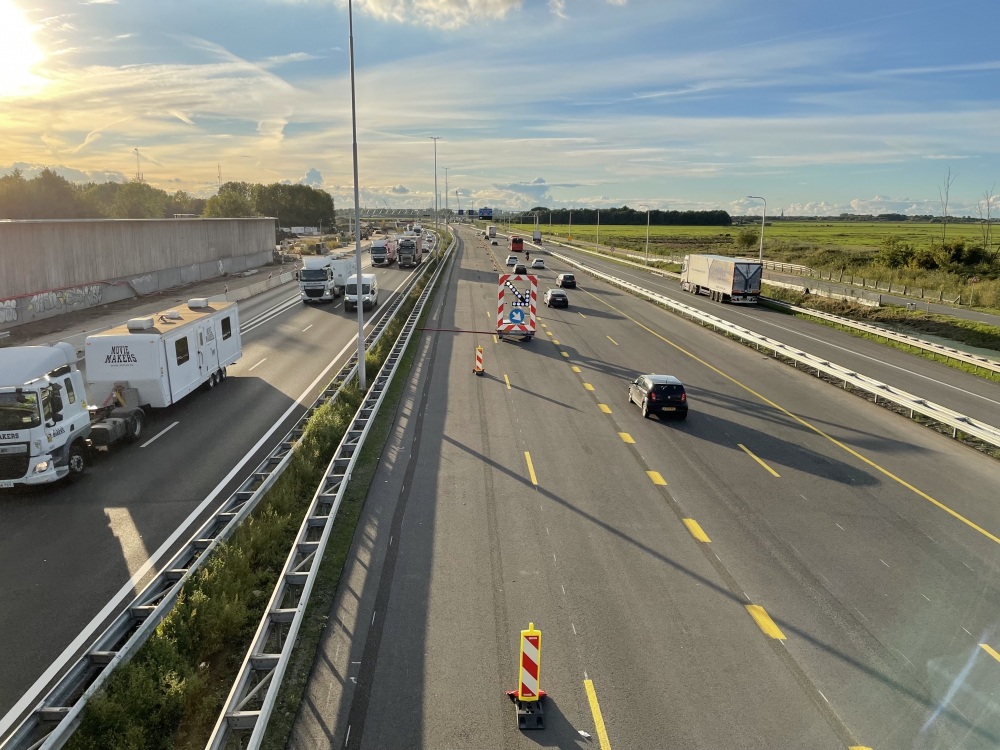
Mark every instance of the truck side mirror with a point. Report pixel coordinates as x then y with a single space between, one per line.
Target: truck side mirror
57 416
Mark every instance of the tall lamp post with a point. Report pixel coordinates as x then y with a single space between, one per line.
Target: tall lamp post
647 232
436 138
362 375
762 217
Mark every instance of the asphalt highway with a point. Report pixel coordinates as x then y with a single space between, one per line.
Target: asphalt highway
790 567
66 550
935 381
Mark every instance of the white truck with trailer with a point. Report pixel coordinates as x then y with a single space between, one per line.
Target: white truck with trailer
491 231
383 252
721 278
323 277
51 419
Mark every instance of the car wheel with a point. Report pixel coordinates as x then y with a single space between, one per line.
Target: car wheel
645 409
77 460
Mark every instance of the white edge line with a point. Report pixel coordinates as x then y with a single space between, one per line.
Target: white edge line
32 695
257 365
162 432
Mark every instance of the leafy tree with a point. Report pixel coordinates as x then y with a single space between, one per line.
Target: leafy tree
227 205
183 203
894 253
138 200
241 188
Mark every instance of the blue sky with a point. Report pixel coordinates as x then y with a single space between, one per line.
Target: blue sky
821 108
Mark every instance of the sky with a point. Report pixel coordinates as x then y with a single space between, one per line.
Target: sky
820 108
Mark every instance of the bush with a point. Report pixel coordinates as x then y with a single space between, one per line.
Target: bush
894 252
747 238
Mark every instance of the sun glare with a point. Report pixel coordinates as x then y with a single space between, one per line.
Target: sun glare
18 51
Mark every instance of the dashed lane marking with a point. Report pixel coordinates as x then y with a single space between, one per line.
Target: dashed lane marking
764 622
696 531
531 468
605 408
656 478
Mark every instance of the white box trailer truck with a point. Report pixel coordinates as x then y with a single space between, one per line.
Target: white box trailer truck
51 419
383 252
723 279
409 253
323 278
491 231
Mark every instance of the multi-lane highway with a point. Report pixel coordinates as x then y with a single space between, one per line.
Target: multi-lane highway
790 567
66 551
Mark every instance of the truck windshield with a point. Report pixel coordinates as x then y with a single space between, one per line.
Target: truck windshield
19 411
313 274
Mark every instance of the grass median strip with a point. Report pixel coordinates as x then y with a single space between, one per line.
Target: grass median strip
170 694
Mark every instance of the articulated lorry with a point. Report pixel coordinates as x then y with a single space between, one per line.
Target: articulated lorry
323 277
51 419
491 231
383 252
723 279
409 253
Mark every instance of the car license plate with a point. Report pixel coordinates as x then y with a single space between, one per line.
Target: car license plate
669 408
6 485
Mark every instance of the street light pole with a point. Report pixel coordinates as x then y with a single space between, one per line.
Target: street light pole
436 138
647 233
762 217
446 196
359 287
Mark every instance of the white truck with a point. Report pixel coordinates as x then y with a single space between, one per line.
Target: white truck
491 231
723 279
409 251
323 277
383 252
50 420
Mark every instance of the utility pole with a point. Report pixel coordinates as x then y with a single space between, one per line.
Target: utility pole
598 229
138 172
219 168
762 217
359 286
436 138
446 195
647 233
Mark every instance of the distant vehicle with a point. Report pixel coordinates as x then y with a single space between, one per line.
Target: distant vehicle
383 252
536 236
566 280
491 231
323 277
538 263
659 394
50 420
516 244
520 268
511 260
721 278
369 292
556 298
494 242
409 253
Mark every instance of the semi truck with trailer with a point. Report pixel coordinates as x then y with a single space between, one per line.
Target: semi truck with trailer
323 277
723 279
53 415
383 252
491 231
408 253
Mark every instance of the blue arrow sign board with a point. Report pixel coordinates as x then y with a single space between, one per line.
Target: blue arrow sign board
516 316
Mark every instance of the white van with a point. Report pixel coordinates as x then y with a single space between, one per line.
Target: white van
369 292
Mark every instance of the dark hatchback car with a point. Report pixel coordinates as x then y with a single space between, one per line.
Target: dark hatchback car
566 280
659 394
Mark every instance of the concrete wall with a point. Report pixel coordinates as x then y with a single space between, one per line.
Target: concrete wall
51 267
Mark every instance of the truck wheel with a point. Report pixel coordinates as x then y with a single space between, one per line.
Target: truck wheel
222 374
77 459
134 426
210 383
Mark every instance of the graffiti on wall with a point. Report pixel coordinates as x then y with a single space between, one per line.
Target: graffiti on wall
8 311
82 295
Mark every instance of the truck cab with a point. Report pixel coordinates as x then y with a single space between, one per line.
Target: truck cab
316 279
383 252
369 292
44 422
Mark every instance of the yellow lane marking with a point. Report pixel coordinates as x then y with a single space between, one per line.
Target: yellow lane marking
531 468
495 339
696 531
581 314
755 458
548 333
989 651
555 342
626 438
657 478
605 408
544 326
612 341
859 747
595 709
506 380
804 423
764 622
575 368
588 386
565 354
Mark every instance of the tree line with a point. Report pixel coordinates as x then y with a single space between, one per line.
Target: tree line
51 196
626 215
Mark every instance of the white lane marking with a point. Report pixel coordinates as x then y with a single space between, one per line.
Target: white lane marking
124 529
257 365
161 433
883 562
33 694
307 328
827 343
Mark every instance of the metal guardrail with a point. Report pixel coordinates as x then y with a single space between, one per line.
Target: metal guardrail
916 405
53 720
255 690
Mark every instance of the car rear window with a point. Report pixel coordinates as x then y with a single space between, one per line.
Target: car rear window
569 277
668 390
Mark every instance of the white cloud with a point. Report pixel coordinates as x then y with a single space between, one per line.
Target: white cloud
448 14
313 178
399 190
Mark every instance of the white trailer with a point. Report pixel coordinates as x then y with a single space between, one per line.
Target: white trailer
51 419
323 277
723 279
491 231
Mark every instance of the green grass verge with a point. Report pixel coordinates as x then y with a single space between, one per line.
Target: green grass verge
171 693
861 313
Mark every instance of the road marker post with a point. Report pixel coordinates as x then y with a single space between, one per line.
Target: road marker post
479 361
527 698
